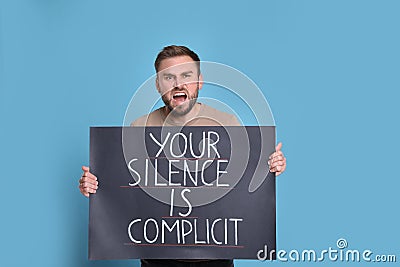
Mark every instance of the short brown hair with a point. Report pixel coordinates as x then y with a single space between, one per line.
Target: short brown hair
176 51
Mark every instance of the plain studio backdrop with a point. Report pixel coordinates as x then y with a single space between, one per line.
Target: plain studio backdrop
329 70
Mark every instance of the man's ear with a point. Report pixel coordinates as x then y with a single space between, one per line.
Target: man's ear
201 81
158 85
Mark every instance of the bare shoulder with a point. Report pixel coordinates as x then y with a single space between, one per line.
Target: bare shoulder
223 118
152 119
141 121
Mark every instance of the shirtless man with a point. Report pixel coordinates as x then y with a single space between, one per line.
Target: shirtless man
178 81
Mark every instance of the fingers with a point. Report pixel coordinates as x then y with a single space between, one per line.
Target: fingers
278 166
88 176
277 161
275 155
278 147
87 186
88 183
90 186
275 158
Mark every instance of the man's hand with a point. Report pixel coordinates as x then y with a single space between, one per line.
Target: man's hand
88 183
277 161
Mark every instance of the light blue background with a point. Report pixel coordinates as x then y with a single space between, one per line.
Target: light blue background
329 69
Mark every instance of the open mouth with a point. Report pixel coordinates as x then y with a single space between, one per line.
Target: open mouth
179 97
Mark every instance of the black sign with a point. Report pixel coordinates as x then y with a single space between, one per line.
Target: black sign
181 193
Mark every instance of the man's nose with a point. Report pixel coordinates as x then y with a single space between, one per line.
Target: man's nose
178 83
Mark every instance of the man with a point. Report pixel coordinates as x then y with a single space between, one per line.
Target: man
178 81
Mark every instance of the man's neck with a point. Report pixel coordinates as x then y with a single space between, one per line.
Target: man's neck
176 119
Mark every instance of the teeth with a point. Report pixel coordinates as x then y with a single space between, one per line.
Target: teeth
179 94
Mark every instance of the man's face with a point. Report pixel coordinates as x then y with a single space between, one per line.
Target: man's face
178 82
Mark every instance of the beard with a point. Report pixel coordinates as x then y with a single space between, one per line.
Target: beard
185 107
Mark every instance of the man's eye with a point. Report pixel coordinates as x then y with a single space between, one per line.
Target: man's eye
186 76
168 78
